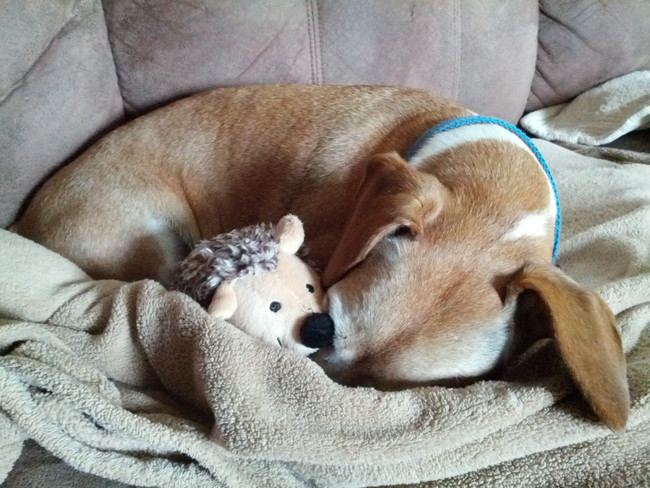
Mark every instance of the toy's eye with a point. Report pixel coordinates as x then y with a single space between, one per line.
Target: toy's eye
275 306
310 288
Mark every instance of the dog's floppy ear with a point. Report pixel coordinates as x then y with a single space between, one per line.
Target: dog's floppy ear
584 331
392 196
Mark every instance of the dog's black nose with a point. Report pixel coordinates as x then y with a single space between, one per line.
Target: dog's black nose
317 331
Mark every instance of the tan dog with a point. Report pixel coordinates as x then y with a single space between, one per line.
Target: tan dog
439 269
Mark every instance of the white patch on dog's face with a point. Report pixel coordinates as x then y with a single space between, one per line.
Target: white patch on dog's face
401 318
532 224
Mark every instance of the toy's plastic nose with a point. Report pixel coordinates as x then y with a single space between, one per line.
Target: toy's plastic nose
317 331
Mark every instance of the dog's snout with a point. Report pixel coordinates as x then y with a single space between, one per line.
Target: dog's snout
317 331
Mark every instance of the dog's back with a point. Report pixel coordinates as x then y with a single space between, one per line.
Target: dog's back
131 205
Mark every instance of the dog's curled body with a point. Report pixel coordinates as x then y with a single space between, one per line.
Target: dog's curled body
220 160
437 271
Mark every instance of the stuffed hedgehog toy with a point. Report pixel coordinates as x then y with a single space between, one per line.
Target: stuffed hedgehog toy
252 278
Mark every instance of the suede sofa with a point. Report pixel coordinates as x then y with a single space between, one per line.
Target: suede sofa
74 69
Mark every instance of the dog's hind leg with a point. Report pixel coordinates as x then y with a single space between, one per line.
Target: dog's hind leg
154 252
143 239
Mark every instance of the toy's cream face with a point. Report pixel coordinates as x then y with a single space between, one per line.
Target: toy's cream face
273 305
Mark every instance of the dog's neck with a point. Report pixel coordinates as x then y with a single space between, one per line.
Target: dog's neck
461 130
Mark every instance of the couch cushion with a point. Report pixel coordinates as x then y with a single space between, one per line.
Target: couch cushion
478 53
58 89
583 43
167 49
471 51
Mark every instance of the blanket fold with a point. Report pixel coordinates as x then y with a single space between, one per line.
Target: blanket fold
599 115
135 383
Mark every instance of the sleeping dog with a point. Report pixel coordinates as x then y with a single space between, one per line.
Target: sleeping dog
436 268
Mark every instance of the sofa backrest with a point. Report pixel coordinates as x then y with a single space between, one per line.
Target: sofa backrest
480 53
72 69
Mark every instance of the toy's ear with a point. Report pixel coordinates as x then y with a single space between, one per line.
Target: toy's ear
224 301
289 234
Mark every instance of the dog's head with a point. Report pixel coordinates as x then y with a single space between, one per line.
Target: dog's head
418 298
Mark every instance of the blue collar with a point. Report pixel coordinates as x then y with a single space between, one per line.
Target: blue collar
480 119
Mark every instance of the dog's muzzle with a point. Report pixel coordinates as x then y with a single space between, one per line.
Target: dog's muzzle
317 331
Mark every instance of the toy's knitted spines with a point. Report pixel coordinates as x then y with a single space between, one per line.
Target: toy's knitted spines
234 254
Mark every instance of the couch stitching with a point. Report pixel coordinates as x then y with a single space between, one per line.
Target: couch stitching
314 41
458 50
109 39
309 36
44 51
321 76
573 30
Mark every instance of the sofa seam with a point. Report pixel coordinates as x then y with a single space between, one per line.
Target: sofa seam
458 27
321 67
112 52
313 34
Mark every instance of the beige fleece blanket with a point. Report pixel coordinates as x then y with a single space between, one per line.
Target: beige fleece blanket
137 384
597 116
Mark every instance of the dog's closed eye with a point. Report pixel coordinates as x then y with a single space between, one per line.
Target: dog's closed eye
402 232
